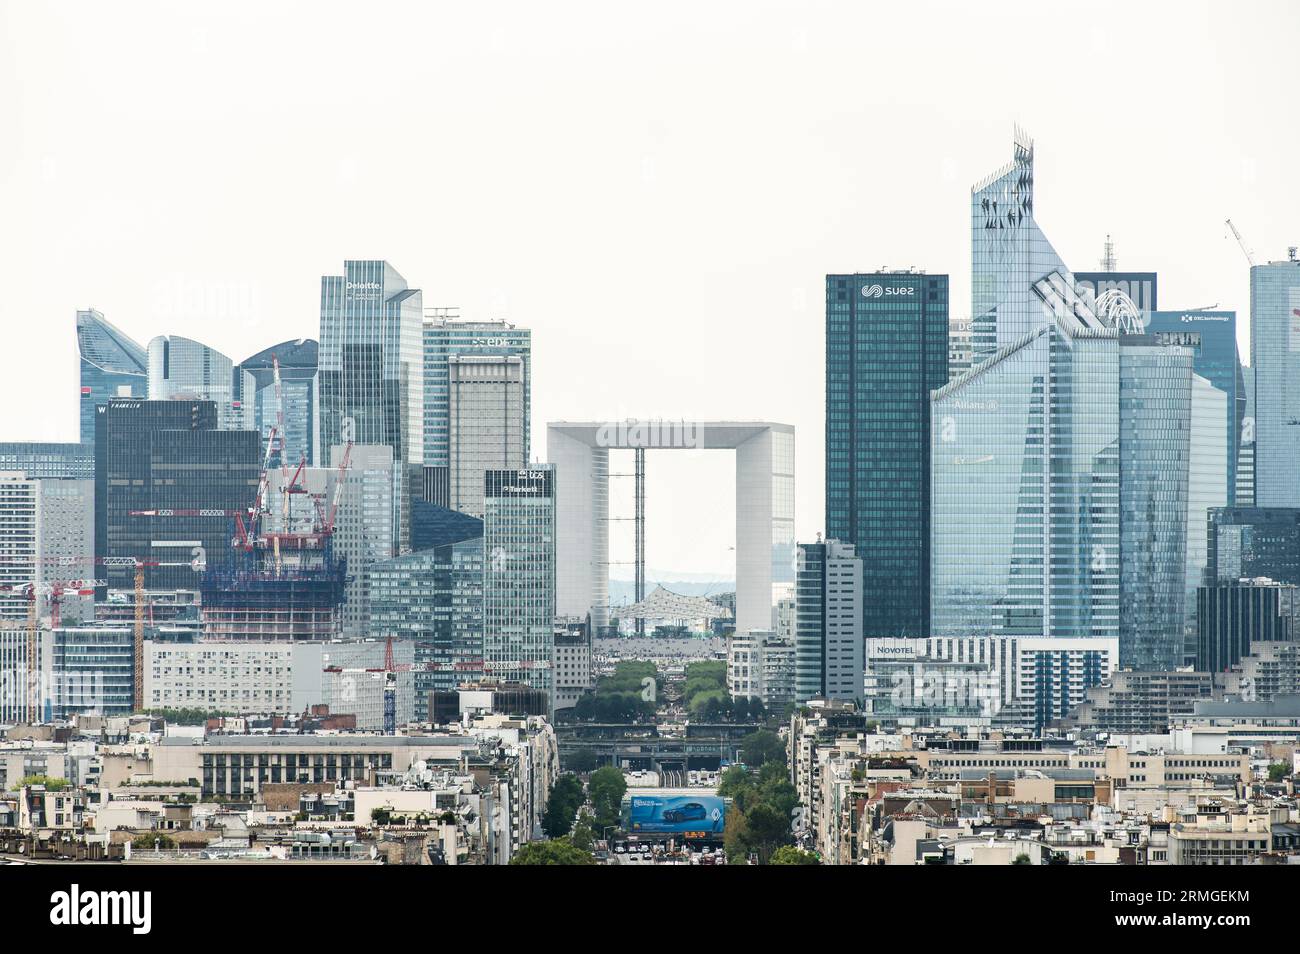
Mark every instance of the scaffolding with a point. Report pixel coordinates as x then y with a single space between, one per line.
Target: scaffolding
270 596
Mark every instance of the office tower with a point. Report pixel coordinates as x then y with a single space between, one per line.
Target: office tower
181 369
829 641
38 460
27 682
372 373
1253 542
363 528
1231 616
1207 488
1275 356
519 576
1245 484
256 394
165 481
886 349
93 667
1212 336
1008 254
1139 287
573 674
447 337
112 365
1025 463
485 422
1025 487
433 599
19 555
432 526
1155 401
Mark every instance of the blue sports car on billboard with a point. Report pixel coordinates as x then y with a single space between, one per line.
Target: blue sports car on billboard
699 815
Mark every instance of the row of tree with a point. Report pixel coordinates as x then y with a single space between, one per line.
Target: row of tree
763 803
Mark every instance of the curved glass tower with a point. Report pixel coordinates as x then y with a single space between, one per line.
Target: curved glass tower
255 391
112 365
184 369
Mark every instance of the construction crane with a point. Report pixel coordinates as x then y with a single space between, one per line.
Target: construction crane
1250 256
59 586
390 690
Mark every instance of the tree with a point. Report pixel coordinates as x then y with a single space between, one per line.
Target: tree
583 837
790 855
51 784
565 799
605 789
1277 772
768 830
1022 859
559 851
150 840
761 747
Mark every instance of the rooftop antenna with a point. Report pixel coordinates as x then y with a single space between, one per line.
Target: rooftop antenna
1108 255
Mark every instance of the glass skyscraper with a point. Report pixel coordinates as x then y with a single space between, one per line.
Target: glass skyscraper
445 338
1275 356
1025 458
255 392
1212 336
886 349
188 370
519 576
168 456
372 372
1155 429
112 365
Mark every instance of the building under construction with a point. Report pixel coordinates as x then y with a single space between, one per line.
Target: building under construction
264 596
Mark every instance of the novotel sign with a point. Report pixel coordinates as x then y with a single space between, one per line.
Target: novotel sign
887 291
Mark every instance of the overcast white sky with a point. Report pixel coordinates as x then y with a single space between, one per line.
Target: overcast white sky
658 193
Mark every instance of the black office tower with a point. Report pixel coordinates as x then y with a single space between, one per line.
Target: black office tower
886 349
166 481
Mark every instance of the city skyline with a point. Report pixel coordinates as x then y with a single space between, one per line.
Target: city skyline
518 232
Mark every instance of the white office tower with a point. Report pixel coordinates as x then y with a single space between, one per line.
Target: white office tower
47 531
1207 480
487 402
829 642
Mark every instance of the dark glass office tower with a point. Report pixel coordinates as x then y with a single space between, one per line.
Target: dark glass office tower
886 349
1212 336
168 456
112 365
1252 542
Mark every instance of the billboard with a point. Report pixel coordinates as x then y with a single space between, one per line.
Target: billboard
693 815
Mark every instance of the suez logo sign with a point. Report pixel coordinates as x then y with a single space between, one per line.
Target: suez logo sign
76 907
880 291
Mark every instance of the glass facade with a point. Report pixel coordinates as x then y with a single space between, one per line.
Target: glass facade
1025 466
829 646
886 350
45 460
434 598
255 393
185 370
1253 542
1212 336
1008 254
1155 427
1207 489
445 338
112 365
519 576
168 456
372 371
1275 356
